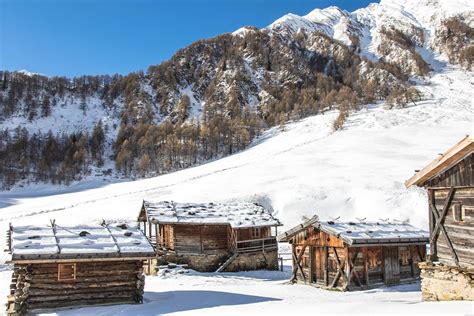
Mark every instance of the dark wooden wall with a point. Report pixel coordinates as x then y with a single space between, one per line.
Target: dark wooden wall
200 238
246 233
460 175
458 245
37 286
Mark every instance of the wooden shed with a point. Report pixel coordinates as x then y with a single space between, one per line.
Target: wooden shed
57 266
212 236
355 255
449 181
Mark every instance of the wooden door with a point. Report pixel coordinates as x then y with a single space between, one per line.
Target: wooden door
391 265
316 265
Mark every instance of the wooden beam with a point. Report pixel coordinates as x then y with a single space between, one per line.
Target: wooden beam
366 265
297 260
439 225
340 268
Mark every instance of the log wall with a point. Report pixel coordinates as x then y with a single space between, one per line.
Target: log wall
460 232
36 286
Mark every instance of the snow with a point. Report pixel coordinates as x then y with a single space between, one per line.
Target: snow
237 214
302 170
355 232
43 242
267 293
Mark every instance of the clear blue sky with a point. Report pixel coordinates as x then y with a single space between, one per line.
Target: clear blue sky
75 37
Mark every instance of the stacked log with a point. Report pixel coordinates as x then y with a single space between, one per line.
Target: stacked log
36 286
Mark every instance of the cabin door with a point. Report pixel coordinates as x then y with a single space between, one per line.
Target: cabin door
316 265
391 265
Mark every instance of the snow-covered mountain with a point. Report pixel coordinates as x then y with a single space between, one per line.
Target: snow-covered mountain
295 67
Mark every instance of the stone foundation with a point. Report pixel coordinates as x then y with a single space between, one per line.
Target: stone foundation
200 262
254 261
445 283
211 262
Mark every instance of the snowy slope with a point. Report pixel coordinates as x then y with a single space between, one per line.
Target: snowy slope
306 169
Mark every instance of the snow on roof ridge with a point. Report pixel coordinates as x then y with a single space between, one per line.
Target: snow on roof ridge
236 213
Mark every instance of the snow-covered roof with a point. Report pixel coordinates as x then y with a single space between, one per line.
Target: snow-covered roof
357 233
235 214
60 242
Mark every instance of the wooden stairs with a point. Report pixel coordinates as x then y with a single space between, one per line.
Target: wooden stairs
227 262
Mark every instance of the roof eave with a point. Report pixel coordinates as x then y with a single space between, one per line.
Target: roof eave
446 161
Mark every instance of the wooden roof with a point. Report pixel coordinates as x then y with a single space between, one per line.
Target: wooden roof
363 233
55 242
286 236
235 214
450 158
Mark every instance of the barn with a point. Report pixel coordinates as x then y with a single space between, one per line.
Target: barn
57 266
448 273
232 236
355 255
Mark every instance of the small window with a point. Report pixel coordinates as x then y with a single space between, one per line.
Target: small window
404 257
458 212
255 233
66 271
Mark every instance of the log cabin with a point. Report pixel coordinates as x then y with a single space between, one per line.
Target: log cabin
448 273
211 236
60 267
355 255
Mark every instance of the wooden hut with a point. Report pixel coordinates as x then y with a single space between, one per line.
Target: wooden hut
57 266
212 236
449 181
355 255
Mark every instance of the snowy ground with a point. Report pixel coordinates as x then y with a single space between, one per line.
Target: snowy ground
268 293
306 169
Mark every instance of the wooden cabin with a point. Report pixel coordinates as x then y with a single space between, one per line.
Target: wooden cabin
212 236
56 266
449 181
355 255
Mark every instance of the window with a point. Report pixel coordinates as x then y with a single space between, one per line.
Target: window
255 232
66 271
404 257
458 212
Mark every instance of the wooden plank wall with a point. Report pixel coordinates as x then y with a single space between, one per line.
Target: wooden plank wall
461 233
36 285
200 238
460 175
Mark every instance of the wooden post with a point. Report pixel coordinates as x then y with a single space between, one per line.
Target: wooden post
149 229
325 266
200 236
156 234
366 265
431 198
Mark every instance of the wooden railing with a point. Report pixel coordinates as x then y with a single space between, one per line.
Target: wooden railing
257 245
240 246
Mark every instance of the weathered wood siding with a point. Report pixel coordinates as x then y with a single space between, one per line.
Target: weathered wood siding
460 232
246 233
200 238
460 175
364 266
37 286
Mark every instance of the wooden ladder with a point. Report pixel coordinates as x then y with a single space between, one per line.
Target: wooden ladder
226 264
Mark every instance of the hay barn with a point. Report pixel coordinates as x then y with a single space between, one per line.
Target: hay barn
211 236
355 255
448 274
58 266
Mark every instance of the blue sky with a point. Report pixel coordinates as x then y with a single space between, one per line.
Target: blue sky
75 37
